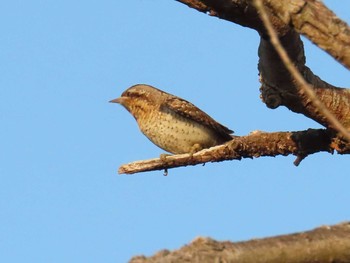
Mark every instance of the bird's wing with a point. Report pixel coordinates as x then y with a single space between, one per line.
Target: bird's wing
188 110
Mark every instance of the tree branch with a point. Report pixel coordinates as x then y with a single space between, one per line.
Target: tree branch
278 87
256 144
320 25
323 244
308 17
303 86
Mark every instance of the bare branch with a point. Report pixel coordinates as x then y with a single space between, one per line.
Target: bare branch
278 87
308 17
316 22
301 144
304 87
323 244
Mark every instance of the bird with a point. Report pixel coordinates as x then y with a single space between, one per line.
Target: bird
172 123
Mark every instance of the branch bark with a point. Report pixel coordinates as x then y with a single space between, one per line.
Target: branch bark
310 18
323 244
315 21
304 88
257 144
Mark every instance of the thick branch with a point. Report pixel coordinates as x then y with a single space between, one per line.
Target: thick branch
257 144
323 244
304 88
241 12
319 24
308 17
279 88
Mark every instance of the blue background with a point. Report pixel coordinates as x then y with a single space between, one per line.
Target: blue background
61 142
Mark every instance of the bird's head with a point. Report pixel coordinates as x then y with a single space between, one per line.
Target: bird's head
139 98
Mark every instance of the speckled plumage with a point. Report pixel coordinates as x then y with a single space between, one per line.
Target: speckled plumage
174 124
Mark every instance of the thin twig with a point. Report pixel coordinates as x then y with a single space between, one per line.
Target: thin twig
302 84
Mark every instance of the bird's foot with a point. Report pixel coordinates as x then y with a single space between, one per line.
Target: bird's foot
163 157
195 148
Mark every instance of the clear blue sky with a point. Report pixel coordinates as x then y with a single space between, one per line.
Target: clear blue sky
61 142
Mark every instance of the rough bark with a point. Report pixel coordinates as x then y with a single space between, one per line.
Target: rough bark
308 17
323 244
319 24
257 144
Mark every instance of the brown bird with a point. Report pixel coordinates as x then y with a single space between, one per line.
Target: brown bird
174 124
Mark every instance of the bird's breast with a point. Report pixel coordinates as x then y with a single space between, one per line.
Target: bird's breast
175 133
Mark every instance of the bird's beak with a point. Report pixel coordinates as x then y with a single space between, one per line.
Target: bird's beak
118 100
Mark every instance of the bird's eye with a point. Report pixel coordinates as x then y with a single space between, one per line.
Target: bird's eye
129 94
134 94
